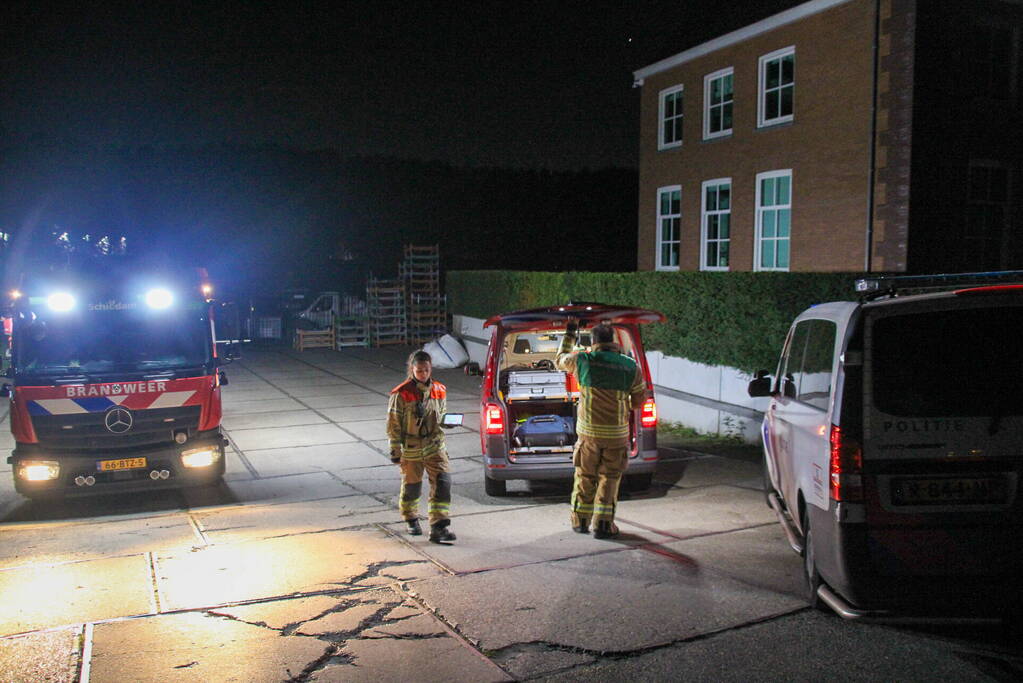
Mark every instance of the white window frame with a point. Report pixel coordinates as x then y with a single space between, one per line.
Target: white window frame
659 241
661 96
704 214
707 80
762 82
758 213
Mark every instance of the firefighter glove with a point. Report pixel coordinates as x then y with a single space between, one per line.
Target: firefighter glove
395 455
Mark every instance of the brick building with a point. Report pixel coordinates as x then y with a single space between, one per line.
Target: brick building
839 135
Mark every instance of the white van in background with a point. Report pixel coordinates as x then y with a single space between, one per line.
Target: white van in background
893 447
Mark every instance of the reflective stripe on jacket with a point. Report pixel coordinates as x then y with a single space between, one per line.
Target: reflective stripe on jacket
418 437
611 385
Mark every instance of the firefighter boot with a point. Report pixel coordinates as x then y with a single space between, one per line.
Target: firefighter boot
439 532
605 528
583 527
413 527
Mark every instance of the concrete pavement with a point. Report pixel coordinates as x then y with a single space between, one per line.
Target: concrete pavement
297 568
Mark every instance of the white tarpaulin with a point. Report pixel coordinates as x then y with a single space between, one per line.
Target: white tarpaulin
446 352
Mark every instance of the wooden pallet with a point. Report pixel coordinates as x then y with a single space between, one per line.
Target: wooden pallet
314 339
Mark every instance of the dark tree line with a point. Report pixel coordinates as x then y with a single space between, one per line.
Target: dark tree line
270 217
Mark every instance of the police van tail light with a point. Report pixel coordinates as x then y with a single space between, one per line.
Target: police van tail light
648 418
846 467
493 419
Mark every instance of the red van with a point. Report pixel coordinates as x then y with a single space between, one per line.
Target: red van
527 406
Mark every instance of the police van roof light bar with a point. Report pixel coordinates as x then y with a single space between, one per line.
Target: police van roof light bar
893 285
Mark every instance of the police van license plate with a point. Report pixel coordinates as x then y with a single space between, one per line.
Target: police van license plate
950 490
122 464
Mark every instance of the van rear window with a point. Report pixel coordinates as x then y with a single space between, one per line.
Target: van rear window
962 362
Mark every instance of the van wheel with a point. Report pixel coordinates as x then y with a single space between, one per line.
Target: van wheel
813 578
494 487
639 482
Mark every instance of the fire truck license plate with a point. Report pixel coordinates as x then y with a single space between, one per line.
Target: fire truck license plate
122 464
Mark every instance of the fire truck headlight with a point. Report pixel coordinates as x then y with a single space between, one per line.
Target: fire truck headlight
200 457
60 302
39 470
159 298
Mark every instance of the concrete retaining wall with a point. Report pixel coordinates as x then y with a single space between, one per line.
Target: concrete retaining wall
710 399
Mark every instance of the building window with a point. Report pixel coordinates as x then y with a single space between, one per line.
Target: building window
774 220
669 217
987 212
717 108
670 131
777 87
716 222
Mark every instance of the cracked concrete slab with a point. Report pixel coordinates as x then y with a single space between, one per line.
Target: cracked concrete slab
50 656
337 458
284 566
235 524
691 512
510 537
52 542
197 647
290 418
41 596
816 647
613 602
284 437
298 487
403 659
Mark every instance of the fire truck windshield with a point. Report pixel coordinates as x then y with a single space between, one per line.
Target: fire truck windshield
103 341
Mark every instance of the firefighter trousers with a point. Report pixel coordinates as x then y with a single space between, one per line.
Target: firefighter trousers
436 467
598 473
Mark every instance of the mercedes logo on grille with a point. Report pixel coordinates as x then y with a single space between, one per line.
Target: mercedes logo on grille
118 420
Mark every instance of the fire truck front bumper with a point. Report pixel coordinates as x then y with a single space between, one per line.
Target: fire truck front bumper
39 473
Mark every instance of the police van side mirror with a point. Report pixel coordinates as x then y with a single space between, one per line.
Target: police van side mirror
760 386
472 369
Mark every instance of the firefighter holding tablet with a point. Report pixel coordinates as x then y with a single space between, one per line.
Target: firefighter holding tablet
415 416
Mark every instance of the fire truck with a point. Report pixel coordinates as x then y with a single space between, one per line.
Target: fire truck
114 383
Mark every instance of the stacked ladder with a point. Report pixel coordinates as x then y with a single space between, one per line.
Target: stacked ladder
425 305
385 306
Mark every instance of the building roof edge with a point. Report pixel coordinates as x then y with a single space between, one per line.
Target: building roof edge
746 32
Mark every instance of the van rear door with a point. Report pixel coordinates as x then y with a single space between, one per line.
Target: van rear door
942 434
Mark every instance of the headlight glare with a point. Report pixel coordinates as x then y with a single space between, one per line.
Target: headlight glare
200 457
60 302
39 470
159 298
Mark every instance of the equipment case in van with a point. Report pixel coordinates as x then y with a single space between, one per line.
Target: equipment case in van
534 385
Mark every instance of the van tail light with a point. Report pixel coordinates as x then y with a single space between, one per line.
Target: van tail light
648 418
846 467
493 419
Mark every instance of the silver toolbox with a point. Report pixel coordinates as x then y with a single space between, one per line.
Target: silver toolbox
533 385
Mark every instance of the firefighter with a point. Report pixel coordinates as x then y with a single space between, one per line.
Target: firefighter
414 414
610 386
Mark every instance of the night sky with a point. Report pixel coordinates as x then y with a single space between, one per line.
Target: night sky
526 85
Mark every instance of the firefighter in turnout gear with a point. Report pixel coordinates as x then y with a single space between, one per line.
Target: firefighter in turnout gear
610 387
414 414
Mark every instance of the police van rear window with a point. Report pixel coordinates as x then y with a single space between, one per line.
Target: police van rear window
959 362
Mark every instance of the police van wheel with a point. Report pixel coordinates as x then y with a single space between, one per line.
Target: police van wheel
494 487
813 579
639 482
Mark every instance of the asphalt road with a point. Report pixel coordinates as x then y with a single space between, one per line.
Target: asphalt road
297 567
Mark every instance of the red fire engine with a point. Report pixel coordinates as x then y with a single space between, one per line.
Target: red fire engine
114 384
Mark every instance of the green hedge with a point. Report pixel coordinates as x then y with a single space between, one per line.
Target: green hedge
734 319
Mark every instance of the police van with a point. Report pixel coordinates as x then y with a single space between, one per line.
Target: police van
893 447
